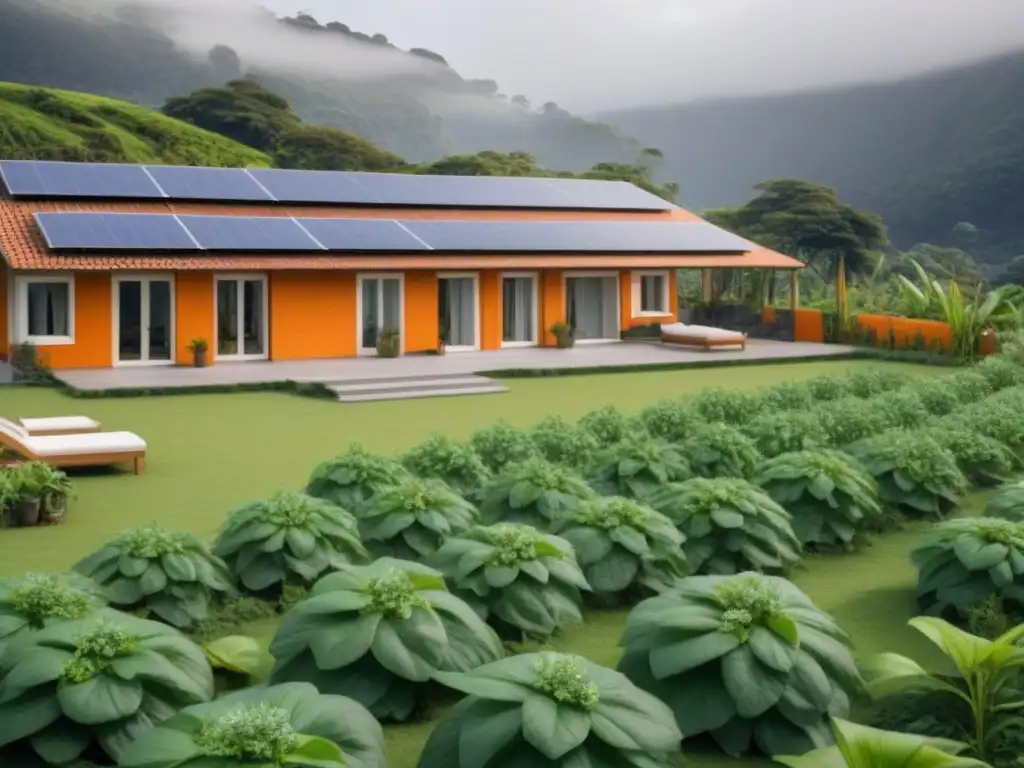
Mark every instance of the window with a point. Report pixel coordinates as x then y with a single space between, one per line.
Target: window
650 293
46 310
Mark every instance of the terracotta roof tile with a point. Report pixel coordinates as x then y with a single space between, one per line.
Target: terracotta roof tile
23 247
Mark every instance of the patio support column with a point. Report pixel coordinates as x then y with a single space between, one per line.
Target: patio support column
706 286
794 289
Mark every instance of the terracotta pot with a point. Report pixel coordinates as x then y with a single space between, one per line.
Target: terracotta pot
199 358
54 509
26 512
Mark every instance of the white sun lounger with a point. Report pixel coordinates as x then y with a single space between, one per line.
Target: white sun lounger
89 449
702 336
60 425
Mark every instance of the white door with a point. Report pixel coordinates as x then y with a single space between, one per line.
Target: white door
379 310
241 318
458 318
144 320
518 310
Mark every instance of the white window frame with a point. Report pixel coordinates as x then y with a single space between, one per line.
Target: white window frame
265 330
360 277
145 278
618 301
636 299
21 320
475 277
534 278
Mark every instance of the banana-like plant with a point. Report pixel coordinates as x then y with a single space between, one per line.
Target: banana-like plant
457 464
501 445
549 709
534 492
730 526
963 562
173 576
636 466
351 479
1007 502
858 746
563 443
38 600
290 538
830 496
524 582
747 659
378 633
718 450
777 432
622 545
94 684
411 519
281 726
985 670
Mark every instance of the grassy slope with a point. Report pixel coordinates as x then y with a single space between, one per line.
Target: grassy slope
49 124
209 453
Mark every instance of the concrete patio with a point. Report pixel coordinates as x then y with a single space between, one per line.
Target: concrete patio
369 370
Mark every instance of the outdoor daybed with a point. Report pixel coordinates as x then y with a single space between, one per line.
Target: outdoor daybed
91 449
59 425
702 336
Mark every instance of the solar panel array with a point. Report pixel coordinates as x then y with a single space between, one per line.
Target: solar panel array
51 179
281 234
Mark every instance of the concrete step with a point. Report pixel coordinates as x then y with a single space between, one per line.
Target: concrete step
409 387
410 394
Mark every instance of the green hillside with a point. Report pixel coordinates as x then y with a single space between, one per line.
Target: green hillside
48 124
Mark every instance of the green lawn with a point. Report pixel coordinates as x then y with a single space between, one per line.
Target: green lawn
209 453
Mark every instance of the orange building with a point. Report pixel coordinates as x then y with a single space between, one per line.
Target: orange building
128 265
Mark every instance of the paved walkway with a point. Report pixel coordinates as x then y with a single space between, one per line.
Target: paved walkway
455 364
6 373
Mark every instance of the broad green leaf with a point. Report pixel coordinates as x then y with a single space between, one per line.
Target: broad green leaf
486 729
103 699
237 653
336 646
754 688
484 687
553 729
315 752
888 673
42 666
675 658
392 654
965 650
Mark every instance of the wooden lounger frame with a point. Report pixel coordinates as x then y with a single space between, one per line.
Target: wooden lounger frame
137 458
702 341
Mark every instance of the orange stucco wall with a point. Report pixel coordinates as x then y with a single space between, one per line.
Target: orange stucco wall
905 330
93 347
4 332
490 309
808 325
421 328
312 315
552 304
193 314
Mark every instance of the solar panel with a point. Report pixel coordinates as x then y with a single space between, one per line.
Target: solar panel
189 183
314 186
249 233
608 195
114 231
362 235
28 178
576 236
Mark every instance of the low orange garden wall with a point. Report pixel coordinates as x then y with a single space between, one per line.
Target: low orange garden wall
903 332
808 325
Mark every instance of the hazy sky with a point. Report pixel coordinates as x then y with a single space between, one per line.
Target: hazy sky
589 55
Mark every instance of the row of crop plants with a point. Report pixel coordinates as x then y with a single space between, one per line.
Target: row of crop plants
399 578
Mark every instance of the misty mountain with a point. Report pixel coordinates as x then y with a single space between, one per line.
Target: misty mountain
925 153
422 110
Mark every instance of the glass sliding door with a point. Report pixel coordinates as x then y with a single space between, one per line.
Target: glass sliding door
518 310
241 318
144 318
457 311
380 309
592 307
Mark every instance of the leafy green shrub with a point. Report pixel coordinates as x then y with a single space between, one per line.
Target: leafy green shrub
1007 502
1000 373
788 396
984 460
938 397
900 408
670 420
174 576
533 493
351 479
726 406
622 545
913 472
966 561
283 725
87 687
501 444
548 709
457 464
849 420
610 425
717 450
38 600
778 432
968 386
747 659
636 466
1000 421
563 443
831 497
730 525
828 388
411 519
516 577
871 382
290 538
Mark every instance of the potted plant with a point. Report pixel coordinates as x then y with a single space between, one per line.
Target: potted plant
8 495
565 337
441 344
199 348
389 343
27 493
56 490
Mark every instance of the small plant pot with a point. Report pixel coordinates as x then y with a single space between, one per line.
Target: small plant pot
199 358
565 341
26 512
54 509
441 348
